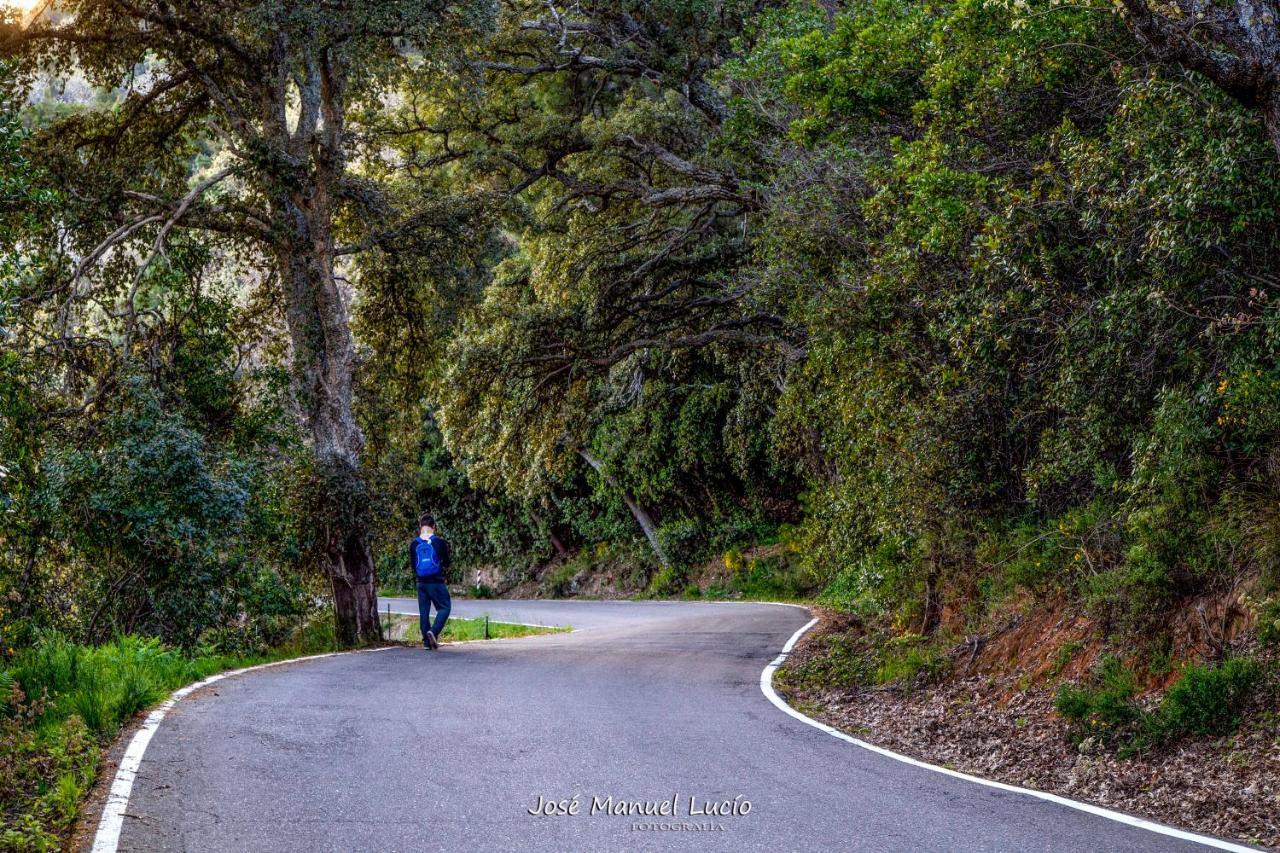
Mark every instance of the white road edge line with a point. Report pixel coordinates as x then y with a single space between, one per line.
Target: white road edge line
766 686
107 838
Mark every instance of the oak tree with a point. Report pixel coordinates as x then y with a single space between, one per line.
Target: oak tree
240 122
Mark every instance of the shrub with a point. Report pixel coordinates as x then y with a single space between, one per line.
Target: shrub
1064 655
853 659
843 661
561 582
685 540
1207 700
1104 709
43 772
1269 624
910 658
669 581
861 586
1125 597
766 577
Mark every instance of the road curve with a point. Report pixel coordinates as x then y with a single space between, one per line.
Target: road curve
413 750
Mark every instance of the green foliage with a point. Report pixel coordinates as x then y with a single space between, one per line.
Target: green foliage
910 659
855 658
1063 656
689 541
667 582
770 577
44 770
468 630
560 582
1269 623
842 662
873 582
1003 393
1206 700
63 702
1105 709
164 510
966 303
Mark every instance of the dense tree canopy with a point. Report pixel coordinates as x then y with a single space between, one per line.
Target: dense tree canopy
952 300
933 312
236 127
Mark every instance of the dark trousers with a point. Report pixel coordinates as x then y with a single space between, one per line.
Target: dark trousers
433 593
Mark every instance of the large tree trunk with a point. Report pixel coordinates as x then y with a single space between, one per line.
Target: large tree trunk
637 511
1233 43
323 364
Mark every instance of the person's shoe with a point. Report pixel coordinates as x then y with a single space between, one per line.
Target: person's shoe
432 642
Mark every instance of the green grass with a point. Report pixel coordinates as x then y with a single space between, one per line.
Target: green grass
61 703
912 659
846 660
763 578
460 630
459 590
842 661
1063 656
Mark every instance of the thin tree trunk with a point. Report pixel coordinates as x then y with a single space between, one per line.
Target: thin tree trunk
1271 120
932 601
323 364
561 551
641 516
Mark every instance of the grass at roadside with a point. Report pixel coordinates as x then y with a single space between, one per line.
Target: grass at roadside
62 703
460 630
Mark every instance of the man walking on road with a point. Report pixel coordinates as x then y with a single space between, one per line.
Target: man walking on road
429 558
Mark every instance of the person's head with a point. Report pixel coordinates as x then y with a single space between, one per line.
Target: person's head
426 524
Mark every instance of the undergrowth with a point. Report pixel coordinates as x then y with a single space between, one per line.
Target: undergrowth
61 703
1207 699
867 660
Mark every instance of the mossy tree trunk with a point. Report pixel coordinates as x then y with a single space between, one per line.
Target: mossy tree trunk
312 161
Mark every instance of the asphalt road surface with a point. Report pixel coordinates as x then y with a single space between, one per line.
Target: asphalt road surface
410 750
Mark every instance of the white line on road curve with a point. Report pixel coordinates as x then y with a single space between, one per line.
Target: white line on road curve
107 838
766 686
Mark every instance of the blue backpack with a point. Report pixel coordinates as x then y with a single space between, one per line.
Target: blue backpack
425 561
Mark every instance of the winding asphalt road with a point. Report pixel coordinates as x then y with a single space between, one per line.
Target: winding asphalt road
409 750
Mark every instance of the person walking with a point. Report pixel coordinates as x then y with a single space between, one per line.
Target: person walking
430 558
